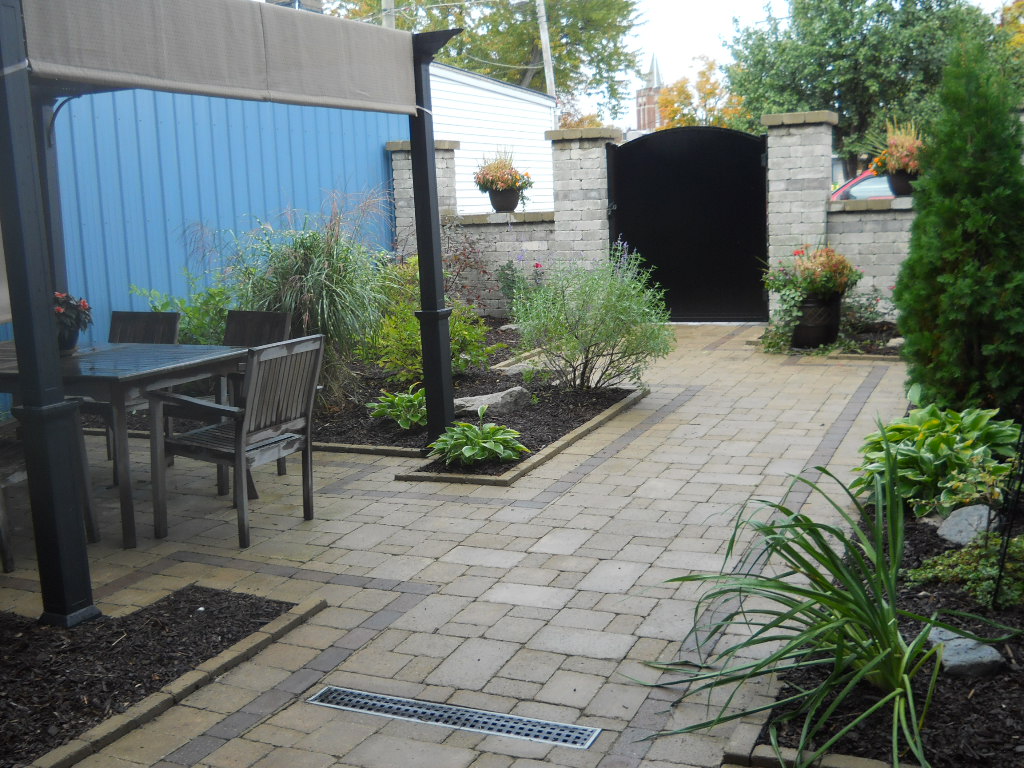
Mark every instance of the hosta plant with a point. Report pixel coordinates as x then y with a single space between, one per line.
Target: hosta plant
831 605
472 443
407 409
944 458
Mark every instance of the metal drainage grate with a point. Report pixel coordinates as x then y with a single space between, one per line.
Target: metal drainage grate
462 718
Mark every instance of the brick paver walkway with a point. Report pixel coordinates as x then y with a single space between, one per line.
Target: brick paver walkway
543 599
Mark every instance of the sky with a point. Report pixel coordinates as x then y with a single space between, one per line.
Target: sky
677 31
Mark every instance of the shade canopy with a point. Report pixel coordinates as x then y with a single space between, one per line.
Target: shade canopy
234 49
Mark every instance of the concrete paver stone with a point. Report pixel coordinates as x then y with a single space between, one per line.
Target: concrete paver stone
543 598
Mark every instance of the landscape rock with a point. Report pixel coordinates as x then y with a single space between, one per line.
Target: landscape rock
894 342
514 368
963 657
964 524
498 403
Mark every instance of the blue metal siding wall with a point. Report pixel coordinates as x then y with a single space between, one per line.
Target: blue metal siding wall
143 174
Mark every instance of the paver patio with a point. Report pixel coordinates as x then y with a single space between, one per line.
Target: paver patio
542 600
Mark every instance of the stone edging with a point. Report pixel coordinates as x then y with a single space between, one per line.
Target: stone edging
113 728
521 468
743 751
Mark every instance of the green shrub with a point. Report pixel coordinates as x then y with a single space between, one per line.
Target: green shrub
512 277
596 325
960 292
944 458
203 312
833 605
329 281
472 443
976 568
407 409
396 346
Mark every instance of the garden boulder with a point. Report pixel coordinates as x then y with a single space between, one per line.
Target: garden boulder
965 523
498 403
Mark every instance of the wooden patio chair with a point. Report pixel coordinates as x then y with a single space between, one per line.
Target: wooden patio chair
132 328
278 390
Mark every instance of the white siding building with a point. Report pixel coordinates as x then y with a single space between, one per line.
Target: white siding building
486 115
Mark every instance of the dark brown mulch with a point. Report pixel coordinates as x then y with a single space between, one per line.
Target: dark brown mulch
971 723
57 683
553 413
874 339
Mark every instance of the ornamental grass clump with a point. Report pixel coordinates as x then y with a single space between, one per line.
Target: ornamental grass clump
833 605
330 282
595 325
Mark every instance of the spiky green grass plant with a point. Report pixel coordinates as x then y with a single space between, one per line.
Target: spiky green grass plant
833 605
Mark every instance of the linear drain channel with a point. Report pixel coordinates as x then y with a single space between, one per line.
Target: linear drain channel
462 718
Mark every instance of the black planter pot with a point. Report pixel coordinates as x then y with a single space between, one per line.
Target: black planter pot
67 341
504 200
819 321
901 182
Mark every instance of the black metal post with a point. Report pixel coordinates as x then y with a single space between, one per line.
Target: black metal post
50 446
433 315
46 144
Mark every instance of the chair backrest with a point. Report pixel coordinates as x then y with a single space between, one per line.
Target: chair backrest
280 387
252 329
143 327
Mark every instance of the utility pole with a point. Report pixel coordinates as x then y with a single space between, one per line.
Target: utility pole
388 6
545 48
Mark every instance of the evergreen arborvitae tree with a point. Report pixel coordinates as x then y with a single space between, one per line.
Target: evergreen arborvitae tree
960 293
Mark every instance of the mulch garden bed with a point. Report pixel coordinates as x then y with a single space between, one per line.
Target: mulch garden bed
57 683
972 723
553 413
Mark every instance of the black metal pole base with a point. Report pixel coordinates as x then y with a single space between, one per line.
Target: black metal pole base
49 437
69 620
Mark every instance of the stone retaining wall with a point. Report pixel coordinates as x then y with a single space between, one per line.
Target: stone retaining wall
577 230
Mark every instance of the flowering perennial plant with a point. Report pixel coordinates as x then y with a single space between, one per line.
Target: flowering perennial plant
71 312
499 174
818 272
902 146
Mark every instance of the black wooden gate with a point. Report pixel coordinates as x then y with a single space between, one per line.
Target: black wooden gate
692 202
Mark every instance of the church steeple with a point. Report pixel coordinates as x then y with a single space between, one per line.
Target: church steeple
653 78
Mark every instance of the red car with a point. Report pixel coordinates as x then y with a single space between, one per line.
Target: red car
864 187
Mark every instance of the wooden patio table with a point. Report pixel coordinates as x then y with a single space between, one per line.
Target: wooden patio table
121 373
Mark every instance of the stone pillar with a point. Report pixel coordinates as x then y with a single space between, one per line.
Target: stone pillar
799 179
581 192
401 174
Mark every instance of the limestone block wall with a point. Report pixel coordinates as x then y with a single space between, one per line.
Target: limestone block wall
873 234
576 230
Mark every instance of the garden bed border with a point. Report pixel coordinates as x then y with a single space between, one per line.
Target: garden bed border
114 727
542 456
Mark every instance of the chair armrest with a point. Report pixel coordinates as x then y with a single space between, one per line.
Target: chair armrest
184 405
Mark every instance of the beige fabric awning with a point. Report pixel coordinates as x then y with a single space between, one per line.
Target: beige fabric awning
234 49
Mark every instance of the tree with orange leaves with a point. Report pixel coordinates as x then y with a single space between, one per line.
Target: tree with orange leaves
707 102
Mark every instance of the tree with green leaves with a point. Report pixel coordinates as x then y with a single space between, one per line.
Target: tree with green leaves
502 40
867 60
960 293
